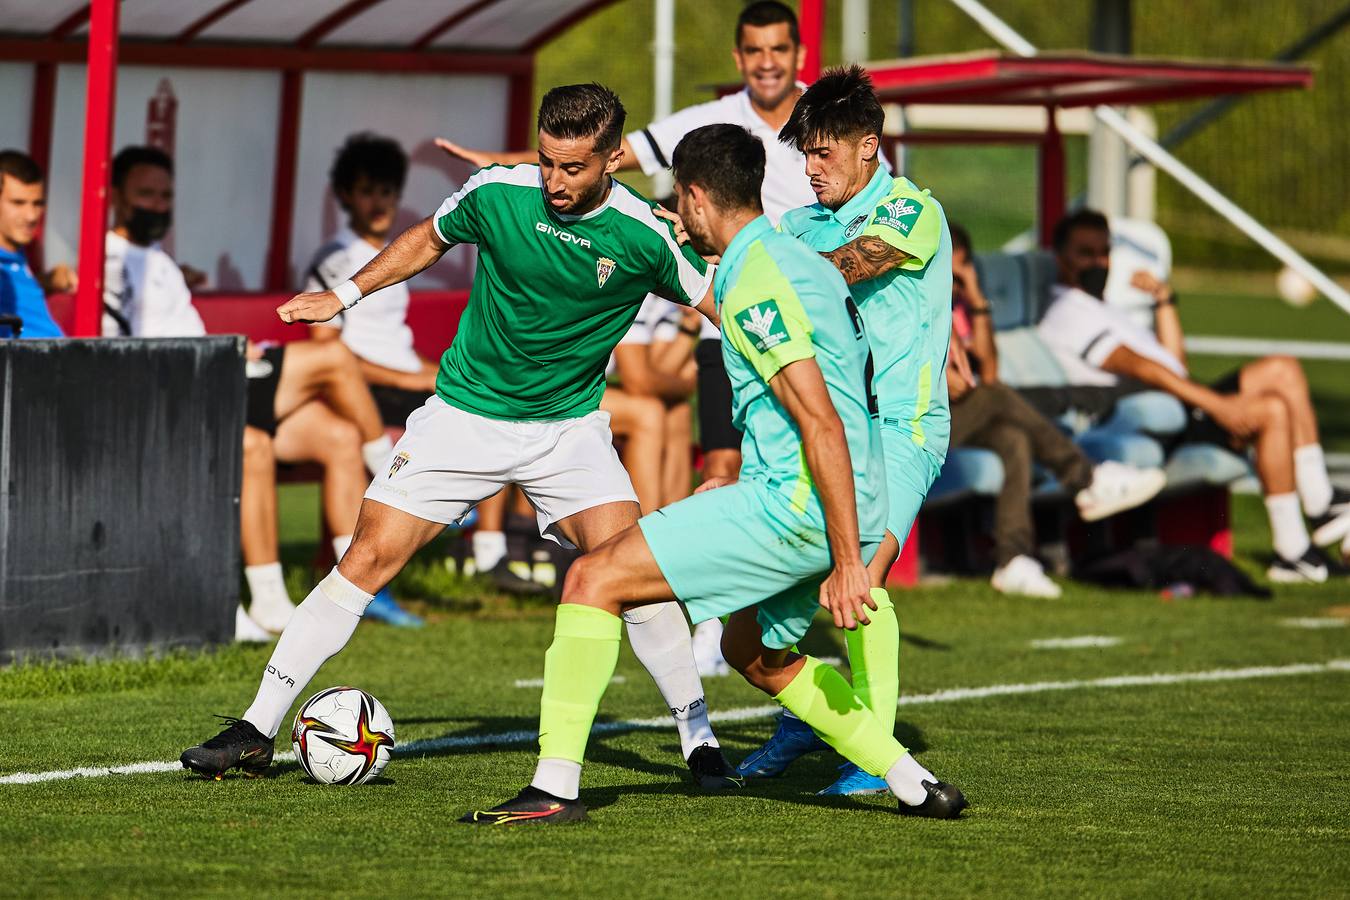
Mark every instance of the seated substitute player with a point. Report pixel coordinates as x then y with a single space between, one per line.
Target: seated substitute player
790 536
1264 405
565 256
23 200
889 239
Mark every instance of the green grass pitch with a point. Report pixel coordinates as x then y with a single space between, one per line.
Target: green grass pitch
1213 788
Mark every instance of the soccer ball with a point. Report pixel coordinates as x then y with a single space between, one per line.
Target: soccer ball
343 736
1294 288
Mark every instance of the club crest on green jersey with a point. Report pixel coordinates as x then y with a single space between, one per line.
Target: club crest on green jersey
604 267
900 214
765 323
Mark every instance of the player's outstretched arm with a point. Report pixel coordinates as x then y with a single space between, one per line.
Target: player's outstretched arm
411 252
866 257
800 387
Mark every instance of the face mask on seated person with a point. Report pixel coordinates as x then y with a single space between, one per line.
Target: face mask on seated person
146 226
1093 281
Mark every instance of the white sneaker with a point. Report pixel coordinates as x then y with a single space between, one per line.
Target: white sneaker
708 649
1117 487
272 613
1023 576
247 631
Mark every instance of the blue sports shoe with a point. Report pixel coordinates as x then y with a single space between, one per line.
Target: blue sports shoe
384 608
853 781
794 738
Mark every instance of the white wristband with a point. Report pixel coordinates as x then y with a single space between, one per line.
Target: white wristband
348 293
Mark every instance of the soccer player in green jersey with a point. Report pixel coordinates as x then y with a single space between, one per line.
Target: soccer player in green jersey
791 535
890 241
565 257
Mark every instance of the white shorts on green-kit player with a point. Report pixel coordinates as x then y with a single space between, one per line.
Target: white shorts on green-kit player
449 460
739 546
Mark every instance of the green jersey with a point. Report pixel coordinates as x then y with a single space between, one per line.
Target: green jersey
781 303
908 311
552 293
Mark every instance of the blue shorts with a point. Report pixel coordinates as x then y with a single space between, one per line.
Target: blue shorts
739 546
910 472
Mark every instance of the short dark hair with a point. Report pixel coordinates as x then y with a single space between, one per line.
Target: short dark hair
129 158
1083 218
726 161
581 111
19 166
380 159
768 12
842 104
960 238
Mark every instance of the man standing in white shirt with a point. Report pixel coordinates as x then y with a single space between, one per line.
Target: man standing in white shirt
1264 405
146 295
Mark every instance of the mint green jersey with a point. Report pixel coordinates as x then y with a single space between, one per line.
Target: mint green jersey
781 303
908 311
552 293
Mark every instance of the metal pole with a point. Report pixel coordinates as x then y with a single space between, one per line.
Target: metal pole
811 19
100 92
1154 153
854 27
663 79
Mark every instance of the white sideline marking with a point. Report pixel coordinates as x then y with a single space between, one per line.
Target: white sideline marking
1313 623
1231 346
539 682
748 713
1075 643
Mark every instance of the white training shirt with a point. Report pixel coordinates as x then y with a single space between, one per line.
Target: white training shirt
658 319
785 183
1082 332
145 294
376 329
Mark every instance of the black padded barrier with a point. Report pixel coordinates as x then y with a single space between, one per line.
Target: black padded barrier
120 464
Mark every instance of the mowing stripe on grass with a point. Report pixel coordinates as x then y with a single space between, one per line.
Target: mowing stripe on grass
950 695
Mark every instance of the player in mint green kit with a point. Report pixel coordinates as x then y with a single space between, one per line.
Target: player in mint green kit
566 256
890 241
789 536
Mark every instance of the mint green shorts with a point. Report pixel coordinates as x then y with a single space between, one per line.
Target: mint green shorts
910 472
740 546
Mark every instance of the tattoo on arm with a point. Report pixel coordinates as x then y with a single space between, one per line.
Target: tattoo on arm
865 258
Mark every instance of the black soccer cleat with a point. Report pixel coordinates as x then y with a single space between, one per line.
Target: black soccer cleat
507 581
944 801
239 746
711 771
530 807
1310 568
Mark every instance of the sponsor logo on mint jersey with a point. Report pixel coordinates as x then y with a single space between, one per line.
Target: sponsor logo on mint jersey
399 462
564 236
900 214
853 226
764 322
604 267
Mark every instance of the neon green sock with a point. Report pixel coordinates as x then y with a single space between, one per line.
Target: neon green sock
577 669
874 657
821 698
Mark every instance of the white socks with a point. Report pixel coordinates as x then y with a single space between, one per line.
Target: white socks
1310 474
559 777
340 545
489 547
271 606
659 636
376 453
905 779
321 626
1287 532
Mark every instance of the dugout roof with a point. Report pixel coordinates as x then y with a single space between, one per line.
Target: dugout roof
1073 79
511 26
